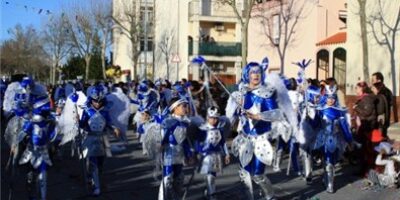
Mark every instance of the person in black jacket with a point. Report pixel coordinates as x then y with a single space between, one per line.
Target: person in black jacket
377 79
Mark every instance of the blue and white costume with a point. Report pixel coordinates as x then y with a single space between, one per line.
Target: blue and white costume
40 131
252 144
19 100
175 148
333 138
96 121
36 125
148 100
295 98
183 91
3 87
165 93
213 148
310 125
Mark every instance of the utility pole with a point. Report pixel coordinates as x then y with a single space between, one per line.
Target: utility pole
177 45
153 35
145 39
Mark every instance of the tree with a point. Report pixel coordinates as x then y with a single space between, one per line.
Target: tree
75 66
385 31
364 38
24 53
127 19
280 22
82 29
57 43
102 12
242 10
165 46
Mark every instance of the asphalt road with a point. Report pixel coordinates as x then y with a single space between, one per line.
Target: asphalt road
129 175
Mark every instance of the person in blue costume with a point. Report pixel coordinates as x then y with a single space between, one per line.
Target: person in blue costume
148 101
184 92
145 120
3 88
95 121
175 149
165 93
39 132
148 98
334 136
296 98
310 125
212 148
259 109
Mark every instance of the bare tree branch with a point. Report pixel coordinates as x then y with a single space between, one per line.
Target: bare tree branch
82 29
101 10
127 19
385 35
165 46
57 42
289 13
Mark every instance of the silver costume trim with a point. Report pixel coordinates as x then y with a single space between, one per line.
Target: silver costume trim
36 155
277 161
180 134
173 154
272 115
211 163
97 123
246 179
244 147
330 178
265 185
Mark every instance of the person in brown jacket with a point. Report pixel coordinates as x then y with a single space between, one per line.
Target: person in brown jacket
366 118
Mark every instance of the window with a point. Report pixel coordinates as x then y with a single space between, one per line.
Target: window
150 23
149 44
322 64
150 14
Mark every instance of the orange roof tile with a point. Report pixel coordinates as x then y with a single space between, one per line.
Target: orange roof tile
334 39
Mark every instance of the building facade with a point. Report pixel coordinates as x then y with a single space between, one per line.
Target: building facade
329 33
318 20
182 30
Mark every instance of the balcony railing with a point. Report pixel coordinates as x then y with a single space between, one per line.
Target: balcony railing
218 48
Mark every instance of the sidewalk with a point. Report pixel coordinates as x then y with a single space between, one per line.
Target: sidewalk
394 131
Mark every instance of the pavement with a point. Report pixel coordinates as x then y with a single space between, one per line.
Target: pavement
394 131
129 175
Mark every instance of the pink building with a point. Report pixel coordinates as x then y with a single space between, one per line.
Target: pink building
319 34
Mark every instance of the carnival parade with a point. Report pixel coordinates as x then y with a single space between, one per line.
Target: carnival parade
200 99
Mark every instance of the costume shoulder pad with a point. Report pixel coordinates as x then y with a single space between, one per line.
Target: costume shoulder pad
169 123
266 91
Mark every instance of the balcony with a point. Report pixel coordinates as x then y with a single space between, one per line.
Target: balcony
218 49
211 11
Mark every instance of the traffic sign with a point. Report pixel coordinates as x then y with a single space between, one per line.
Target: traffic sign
176 59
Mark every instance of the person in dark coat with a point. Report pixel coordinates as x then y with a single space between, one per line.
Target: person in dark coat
382 108
377 78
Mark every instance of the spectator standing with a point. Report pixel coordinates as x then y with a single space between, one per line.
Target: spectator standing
377 78
365 110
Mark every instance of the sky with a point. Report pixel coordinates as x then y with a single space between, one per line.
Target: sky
26 12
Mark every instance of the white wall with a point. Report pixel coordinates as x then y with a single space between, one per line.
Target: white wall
169 20
303 46
379 57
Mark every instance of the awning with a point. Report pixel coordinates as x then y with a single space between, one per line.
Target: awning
334 39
